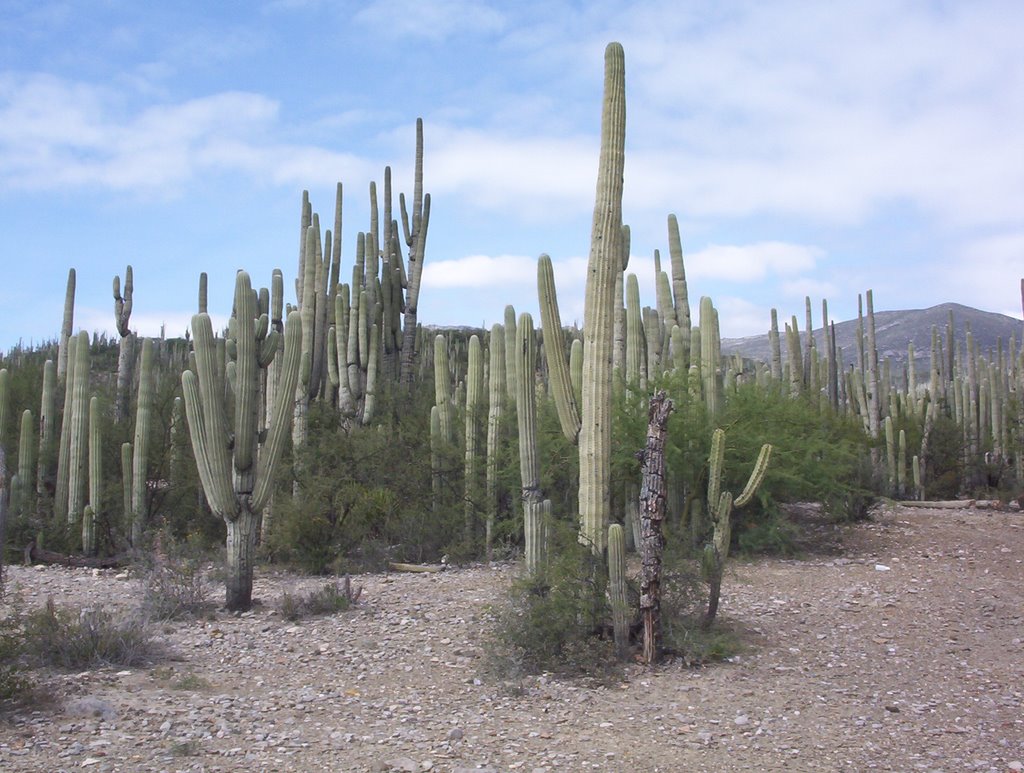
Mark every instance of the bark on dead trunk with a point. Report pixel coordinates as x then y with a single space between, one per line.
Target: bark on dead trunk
652 515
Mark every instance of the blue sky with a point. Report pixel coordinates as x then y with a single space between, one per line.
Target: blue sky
807 149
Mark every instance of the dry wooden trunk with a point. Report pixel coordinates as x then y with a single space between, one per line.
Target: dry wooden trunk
652 514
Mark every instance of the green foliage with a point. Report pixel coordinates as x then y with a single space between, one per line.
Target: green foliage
365 498
944 468
15 686
557 620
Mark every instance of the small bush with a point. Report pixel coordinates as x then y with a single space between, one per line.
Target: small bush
15 687
557 621
73 639
174 585
329 599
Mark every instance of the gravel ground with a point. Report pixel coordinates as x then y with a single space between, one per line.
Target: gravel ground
900 651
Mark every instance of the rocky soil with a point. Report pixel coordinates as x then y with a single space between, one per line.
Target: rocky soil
903 650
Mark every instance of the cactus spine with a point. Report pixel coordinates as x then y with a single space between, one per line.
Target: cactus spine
598 328
238 476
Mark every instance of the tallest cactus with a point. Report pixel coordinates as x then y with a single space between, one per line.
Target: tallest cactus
598 325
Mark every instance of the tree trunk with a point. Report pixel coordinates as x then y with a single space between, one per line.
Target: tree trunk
652 514
241 544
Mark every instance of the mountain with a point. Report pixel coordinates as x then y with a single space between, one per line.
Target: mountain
895 329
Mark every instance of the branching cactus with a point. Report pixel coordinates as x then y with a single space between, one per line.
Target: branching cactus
235 469
604 263
125 356
720 506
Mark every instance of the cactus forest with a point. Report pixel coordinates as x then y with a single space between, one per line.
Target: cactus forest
329 429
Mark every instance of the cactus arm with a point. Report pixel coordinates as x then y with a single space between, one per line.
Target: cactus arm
273 446
756 476
554 348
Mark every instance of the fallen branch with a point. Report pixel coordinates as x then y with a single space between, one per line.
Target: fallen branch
38 555
421 568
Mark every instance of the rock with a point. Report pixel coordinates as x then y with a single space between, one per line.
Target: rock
455 735
90 707
402 764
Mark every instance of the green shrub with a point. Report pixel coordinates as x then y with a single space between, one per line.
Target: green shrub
74 639
174 583
328 599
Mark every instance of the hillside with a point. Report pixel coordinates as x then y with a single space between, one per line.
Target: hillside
895 329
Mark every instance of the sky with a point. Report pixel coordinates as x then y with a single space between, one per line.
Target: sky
807 149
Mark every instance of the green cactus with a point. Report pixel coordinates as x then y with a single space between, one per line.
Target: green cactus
529 467
604 263
710 356
93 509
474 394
443 388
63 350
554 349
720 505
636 371
5 405
617 588
125 357
78 443
237 473
22 501
47 419
495 415
136 473
679 289
510 352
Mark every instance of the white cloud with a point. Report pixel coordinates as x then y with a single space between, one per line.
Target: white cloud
433 19
480 271
751 262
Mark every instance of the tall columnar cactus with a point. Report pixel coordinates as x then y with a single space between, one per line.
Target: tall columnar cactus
636 371
510 352
598 324
720 505
679 288
415 232
776 347
125 356
443 388
22 500
495 415
710 356
474 395
554 349
94 508
76 421
529 467
47 420
63 353
5 405
617 588
140 446
236 470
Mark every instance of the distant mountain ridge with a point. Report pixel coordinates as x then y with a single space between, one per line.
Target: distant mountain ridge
894 330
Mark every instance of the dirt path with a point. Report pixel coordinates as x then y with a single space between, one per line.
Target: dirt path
905 652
